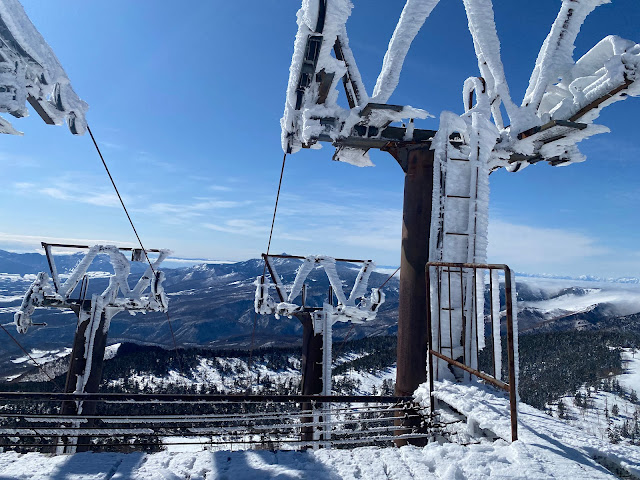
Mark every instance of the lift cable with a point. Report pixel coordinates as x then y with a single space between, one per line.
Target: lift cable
39 365
275 210
264 268
135 231
390 277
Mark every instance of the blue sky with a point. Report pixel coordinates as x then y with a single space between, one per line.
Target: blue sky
185 102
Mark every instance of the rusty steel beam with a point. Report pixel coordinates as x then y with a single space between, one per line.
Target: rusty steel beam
77 369
596 103
417 162
311 384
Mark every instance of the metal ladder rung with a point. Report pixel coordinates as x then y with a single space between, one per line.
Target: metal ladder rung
457 196
456 233
459 159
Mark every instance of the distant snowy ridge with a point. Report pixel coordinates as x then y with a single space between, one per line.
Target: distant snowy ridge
583 278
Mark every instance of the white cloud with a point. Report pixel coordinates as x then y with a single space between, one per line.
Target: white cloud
219 188
32 242
198 208
542 250
78 192
251 229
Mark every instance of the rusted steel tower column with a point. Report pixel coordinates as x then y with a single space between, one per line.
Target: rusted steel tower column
311 370
77 368
417 162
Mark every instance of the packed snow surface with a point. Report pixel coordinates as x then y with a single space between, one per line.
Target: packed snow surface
575 450
547 451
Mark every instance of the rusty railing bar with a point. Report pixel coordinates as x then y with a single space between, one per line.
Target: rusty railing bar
463 319
430 339
479 266
477 373
511 354
450 315
493 341
475 316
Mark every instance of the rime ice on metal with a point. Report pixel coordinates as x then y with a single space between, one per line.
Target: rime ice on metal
30 72
117 297
346 309
323 318
561 102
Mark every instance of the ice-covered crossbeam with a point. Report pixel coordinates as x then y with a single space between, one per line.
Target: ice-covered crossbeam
346 310
147 294
321 61
30 72
314 72
607 73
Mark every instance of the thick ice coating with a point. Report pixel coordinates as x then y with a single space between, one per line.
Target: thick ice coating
30 71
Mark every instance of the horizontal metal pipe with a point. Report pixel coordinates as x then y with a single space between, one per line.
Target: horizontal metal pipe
477 266
477 373
84 247
194 418
298 257
196 398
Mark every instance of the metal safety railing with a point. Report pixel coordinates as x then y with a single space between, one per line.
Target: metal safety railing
456 321
125 422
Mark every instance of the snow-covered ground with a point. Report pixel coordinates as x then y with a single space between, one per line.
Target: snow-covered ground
630 379
547 449
601 413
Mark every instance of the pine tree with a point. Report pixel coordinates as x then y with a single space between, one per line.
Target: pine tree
562 411
577 399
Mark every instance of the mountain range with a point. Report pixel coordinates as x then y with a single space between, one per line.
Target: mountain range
211 306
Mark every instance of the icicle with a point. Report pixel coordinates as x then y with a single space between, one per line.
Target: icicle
514 316
495 316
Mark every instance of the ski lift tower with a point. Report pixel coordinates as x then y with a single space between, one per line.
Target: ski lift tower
446 189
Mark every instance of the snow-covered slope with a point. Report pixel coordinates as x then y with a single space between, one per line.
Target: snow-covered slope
576 452
609 411
548 449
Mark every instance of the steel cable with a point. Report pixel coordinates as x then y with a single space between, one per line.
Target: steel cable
135 231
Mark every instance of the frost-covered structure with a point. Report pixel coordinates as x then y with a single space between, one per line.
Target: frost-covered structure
30 72
355 308
94 313
312 112
562 100
117 297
